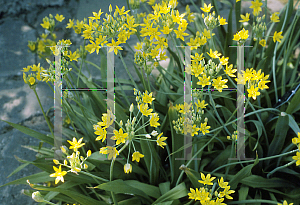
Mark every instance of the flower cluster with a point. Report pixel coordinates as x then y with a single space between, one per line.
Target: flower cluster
210 20
258 27
76 162
254 80
190 117
208 73
296 141
31 79
66 57
127 134
241 36
205 196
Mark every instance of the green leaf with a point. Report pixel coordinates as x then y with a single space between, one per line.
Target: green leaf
175 193
243 192
35 178
79 198
281 129
151 190
293 124
45 138
164 187
294 106
18 169
255 181
120 186
245 172
258 126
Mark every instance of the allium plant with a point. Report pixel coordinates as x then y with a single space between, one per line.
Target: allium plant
145 165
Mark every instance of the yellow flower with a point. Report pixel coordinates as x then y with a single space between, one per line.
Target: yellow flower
262 42
139 46
253 92
229 70
180 33
73 56
59 18
153 120
119 136
222 21
219 84
147 98
101 132
206 33
297 157
221 183
204 80
166 30
111 151
75 144
277 37
285 203
243 34
206 180
256 7
160 140
114 46
96 15
70 24
214 54
223 60
201 104
204 128
296 140
58 174
245 18
274 18
236 37
206 8
127 168
226 192
151 2
136 156
144 109
45 24
31 80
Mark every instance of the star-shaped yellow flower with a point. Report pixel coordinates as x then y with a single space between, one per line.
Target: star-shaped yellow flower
206 8
75 144
58 174
245 18
256 6
59 18
160 140
136 156
206 180
277 37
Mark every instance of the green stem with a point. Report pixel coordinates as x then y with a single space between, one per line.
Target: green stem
262 159
111 173
94 176
47 120
283 166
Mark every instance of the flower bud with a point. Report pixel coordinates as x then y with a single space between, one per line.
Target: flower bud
85 166
133 121
206 119
131 107
110 8
148 136
36 196
121 123
154 133
88 153
55 161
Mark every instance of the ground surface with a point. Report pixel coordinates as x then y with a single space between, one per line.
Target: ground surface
19 22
